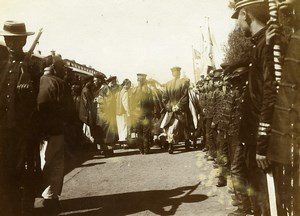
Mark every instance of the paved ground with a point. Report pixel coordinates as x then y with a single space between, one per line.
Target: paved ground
134 184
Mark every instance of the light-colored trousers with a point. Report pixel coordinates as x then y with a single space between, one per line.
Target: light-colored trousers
52 165
122 124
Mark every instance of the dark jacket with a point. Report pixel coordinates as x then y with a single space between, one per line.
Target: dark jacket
286 119
86 107
51 105
16 107
260 96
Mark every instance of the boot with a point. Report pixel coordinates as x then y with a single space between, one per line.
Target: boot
222 181
240 212
187 145
170 150
52 206
146 148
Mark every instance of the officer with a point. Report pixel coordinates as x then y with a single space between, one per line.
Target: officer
17 105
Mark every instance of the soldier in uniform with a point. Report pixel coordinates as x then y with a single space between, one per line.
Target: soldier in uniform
252 16
143 106
17 106
236 150
209 113
201 99
204 110
176 101
283 149
221 140
217 110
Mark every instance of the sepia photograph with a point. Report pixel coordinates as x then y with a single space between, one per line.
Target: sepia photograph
149 107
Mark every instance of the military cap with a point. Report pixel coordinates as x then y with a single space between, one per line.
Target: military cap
210 75
227 77
200 83
224 65
235 65
240 71
239 4
99 75
14 28
141 75
176 69
111 78
217 73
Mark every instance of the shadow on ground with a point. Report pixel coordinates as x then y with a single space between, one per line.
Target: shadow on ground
160 202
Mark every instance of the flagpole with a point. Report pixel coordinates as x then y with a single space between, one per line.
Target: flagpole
193 55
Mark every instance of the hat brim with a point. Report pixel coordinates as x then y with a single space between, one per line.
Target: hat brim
6 33
235 15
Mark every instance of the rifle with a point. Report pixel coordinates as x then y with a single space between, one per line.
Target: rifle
24 80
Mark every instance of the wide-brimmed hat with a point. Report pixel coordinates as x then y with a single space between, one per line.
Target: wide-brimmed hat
14 28
239 4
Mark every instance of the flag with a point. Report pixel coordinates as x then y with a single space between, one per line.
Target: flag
197 64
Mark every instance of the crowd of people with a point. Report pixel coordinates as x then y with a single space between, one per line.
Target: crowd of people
244 115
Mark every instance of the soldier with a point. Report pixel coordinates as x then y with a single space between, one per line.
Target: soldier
209 112
201 99
143 106
176 101
204 111
252 16
217 110
220 108
17 106
236 149
283 149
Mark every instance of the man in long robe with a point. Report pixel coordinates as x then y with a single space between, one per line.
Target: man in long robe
176 101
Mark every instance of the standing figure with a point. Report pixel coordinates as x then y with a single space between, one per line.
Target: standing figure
260 97
114 89
123 111
105 131
87 113
209 114
284 148
143 108
17 107
53 109
176 101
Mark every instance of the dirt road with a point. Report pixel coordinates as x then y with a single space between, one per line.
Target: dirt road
133 184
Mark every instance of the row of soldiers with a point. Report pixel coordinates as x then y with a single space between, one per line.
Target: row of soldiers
251 122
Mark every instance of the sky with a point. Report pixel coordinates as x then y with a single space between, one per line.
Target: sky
123 37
